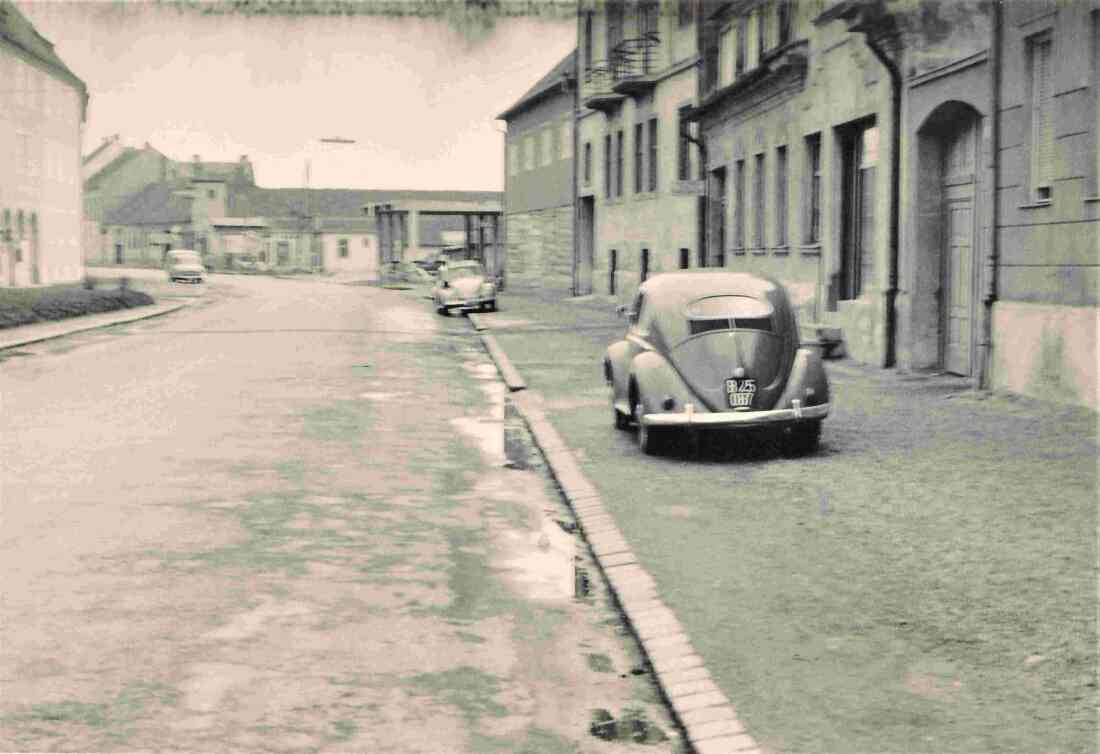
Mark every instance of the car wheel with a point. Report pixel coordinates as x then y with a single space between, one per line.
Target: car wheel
621 420
493 305
802 438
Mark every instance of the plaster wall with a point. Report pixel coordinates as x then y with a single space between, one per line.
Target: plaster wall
540 248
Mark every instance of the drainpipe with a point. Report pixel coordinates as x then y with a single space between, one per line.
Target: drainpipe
895 194
985 357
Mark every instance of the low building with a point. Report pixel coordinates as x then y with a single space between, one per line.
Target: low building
538 182
41 125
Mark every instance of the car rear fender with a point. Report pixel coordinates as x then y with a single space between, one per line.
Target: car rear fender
616 368
808 382
655 380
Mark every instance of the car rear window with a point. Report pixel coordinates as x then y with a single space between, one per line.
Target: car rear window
729 313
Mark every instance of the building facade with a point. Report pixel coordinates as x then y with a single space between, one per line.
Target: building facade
921 175
538 181
639 197
41 126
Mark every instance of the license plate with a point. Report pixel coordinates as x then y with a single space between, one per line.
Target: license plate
740 391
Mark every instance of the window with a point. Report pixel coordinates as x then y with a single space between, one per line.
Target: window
587 163
652 154
283 251
761 32
612 270
587 40
529 152
783 22
781 196
752 40
742 43
684 12
567 140
812 232
210 193
685 259
1042 125
644 265
739 205
758 201
513 158
727 43
683 148
639 174
619 162
546 136
342 244
607 166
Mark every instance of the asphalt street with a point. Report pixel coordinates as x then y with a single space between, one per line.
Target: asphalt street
281 520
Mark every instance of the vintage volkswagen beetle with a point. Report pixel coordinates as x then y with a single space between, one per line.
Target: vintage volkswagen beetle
463 285
712 349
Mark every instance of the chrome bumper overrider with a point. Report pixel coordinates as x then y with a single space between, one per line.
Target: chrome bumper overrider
704 419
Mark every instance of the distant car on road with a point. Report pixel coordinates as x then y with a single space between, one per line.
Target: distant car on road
185 266
709 350
463 285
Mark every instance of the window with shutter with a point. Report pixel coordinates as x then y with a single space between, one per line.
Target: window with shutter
781 196
638 155
1042 125
758 179
652 154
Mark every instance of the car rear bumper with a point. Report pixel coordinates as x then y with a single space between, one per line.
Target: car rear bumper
469 303
732 419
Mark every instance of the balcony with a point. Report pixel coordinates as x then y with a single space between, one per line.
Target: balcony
634 64
599 92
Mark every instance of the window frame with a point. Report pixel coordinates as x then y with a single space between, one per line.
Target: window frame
759 203
587 163
619 163
608 185
782 198
654 156
1040 172
683 146
639 157
812 146
739 206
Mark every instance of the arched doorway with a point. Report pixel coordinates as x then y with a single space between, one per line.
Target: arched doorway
946 268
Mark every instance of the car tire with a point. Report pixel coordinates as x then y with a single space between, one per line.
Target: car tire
621 421
493 305
801 439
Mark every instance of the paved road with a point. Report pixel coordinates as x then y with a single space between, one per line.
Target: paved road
281 520
924 583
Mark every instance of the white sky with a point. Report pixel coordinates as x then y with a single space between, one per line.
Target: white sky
419 96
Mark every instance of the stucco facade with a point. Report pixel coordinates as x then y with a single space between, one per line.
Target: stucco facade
637 184
40 137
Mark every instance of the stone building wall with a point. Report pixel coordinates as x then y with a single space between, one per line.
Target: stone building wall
540 248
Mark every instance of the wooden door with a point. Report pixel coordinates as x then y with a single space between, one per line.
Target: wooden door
959 279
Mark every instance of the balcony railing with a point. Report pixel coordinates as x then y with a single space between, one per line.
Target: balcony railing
599 86
635 60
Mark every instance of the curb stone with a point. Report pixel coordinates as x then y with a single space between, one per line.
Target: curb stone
64 327
704 714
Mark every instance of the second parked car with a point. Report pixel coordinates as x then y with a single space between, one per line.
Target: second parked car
463 285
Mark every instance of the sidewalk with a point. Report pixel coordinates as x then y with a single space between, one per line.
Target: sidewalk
922 583
14 337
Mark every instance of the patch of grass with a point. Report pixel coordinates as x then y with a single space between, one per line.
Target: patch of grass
344 730
470 638
93 715
468 689
339 421
112 717
535 741
24 306
598 662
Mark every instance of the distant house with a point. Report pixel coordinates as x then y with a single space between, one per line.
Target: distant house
538 191
41 123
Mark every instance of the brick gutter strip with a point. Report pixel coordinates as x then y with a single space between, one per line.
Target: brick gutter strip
705 715
40 331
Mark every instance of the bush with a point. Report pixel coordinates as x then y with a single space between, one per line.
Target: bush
27 307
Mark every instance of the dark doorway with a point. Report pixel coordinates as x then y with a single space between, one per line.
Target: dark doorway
685 259
718 217
859 155
644 265
118 253
586 220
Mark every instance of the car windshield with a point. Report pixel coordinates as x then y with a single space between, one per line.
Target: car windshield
185 257
729 313
458 270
